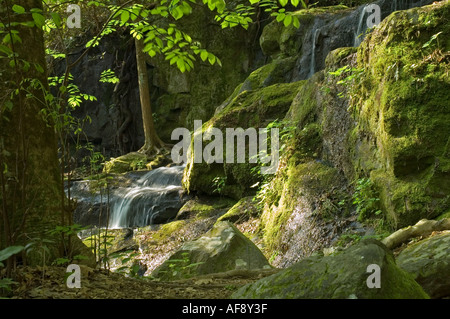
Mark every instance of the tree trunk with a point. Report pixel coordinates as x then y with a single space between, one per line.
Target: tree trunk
152 141
31 186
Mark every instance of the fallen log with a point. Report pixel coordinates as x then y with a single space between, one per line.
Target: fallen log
423 228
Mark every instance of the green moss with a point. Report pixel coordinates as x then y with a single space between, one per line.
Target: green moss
277 71
335 57
444 216
205 207
125 163
241 211
296 181
168 230
400 103
253 109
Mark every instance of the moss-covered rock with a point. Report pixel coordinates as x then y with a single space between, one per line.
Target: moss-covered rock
222 249
400 103
125 163
241 211
302 204
249 109
205 207
341 276
429 262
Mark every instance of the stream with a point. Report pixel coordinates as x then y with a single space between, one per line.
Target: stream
136 199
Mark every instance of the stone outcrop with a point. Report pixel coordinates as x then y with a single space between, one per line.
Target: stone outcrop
221 249
346 275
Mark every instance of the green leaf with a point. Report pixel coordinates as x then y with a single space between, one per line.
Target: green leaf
283 2
287 21
280 17
18 9
38 68
56 19
5 49
211 58
10 251
181 66
38 19
204 55
296 22
124 16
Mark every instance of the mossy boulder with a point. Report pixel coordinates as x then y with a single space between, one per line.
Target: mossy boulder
125 163
242 211
222 249
429 262
205 207
301 206
400 103
249 109
344 275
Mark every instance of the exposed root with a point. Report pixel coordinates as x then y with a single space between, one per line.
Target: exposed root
423 228
152 150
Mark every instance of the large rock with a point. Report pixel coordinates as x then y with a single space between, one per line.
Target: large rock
128 162
222 249
338 276
248 109
401 107
429 262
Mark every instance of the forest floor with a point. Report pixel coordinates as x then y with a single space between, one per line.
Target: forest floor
33 283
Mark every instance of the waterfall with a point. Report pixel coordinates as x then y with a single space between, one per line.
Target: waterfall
141 199
312 66
361 28
404 4
155 198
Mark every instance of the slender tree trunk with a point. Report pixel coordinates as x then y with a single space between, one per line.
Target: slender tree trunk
152 141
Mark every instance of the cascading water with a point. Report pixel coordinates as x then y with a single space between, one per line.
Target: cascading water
155 198
361 29
312 67
343 29
145 198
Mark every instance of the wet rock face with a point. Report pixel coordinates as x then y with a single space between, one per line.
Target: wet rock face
222 249
429 262
341 276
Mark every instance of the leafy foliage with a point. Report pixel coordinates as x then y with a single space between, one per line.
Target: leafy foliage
182 267
8 252
347 77
366 199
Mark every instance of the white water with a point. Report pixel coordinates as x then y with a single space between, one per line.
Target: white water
312 66
144 198
361 29
154 197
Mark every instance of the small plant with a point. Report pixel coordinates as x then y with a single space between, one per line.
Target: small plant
348 76
219 183
124 258
138 165
182 267
366 199
6 283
